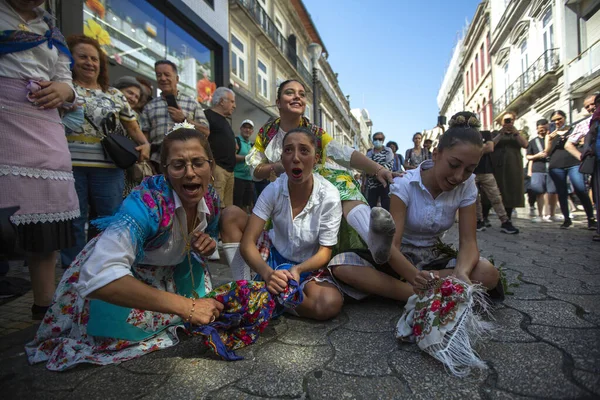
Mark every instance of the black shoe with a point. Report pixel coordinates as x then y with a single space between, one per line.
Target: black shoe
592 224
38 312
487 223
497 294
480 226
508 227
567 224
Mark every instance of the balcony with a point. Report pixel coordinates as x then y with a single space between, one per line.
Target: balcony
584 68
261 17
533 78
331 94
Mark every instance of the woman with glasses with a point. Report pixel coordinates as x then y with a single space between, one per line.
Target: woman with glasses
144 276
564 162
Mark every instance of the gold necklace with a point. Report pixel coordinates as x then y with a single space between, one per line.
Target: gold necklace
188 249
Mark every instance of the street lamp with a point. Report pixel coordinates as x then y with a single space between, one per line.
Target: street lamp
315 50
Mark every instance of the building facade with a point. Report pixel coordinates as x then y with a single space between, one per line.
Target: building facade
137 33
362 141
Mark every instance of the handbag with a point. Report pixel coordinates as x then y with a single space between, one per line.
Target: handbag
119 148
588 164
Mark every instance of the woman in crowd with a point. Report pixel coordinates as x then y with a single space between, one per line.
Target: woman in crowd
99 182
146 95
133 285
592 147
305 211
398 159
376 229
564 162
508 163
36 172
423 204
417 154
131 89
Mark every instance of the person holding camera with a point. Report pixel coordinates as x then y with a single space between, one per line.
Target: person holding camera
564 162
508 163
98 180
161 114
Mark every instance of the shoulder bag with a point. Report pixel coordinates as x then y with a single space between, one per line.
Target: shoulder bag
119 148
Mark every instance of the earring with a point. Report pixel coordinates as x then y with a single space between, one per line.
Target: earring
212 179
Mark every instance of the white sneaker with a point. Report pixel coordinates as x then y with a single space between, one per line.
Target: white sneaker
546 218
532 211
536 219
557 218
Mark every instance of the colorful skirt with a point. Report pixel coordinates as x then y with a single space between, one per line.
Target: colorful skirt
35 171
64 338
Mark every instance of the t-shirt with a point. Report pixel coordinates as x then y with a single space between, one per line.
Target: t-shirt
485 165
221 140
242 171
385 157
536 145
427 219
559 157
316 225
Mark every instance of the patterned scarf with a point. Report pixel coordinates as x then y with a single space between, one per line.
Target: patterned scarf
248 309
12 41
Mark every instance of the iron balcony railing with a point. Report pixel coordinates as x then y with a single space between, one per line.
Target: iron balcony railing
333 97
585 64
268 26
548 62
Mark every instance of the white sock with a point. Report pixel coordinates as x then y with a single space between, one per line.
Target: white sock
376 227
239 268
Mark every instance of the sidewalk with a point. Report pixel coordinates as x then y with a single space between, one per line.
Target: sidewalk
546 345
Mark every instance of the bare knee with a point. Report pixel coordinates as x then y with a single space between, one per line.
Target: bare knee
328 305
486 273
232 223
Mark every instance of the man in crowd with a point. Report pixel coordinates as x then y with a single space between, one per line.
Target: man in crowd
427 145
243 189
159 117
583 126
383 156
541 182
485 181
222 143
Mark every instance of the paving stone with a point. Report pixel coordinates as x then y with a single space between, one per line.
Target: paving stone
361 353
582 344
563 285
280 368
507 327
518 370
495 394
533 270
232 393
589 380
331 385
427 378
373 315
589 304
549 312
526 291
305 332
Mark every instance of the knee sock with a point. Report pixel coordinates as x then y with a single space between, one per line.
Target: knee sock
509 211
376 227
239 268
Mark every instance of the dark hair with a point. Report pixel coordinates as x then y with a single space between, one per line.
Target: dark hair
428 140
127 81
181 135
542 121
597 100
464 128
559 112
74 40
377 133
311 136
392 143
280 88
415 135
166 62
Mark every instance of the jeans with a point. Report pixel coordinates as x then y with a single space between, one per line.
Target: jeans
379 192
559 176
98 188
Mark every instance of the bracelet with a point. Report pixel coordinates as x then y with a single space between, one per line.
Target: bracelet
378 169
189 318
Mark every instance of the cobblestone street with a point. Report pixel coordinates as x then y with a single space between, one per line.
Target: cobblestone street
547 343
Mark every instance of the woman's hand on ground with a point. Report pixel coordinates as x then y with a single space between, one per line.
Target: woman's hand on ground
205 311
52 95
144 150
277 281
203 244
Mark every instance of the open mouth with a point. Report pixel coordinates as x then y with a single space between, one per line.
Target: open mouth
295 104
296 173
191 188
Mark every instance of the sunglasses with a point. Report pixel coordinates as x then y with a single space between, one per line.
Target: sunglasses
508 120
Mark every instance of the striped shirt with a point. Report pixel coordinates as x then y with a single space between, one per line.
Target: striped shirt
384 157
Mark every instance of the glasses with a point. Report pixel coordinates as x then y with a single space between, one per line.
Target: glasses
557 119
508 120
178 168
378 138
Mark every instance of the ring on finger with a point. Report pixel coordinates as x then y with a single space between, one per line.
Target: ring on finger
212 319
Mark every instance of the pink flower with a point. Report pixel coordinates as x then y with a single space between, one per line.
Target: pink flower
435 305
147 198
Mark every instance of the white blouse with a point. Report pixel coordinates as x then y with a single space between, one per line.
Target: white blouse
428 219
340 153
316 225
114 254
38 63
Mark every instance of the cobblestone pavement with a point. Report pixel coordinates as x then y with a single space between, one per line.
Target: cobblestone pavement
547 344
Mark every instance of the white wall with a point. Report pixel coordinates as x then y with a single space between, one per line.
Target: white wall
218 19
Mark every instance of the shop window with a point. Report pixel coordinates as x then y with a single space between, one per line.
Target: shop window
136 35
238 57
262 79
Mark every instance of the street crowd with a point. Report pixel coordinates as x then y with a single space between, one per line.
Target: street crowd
288 209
